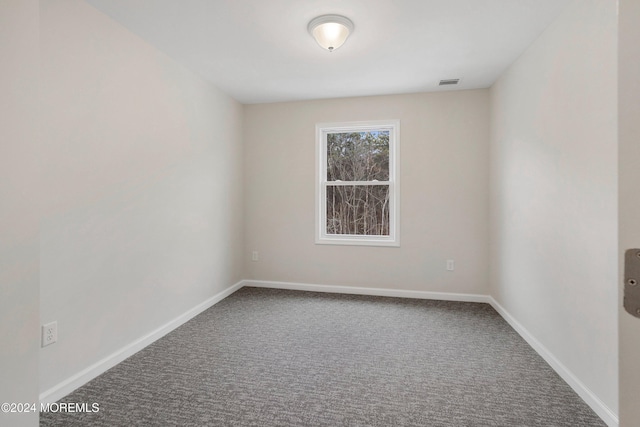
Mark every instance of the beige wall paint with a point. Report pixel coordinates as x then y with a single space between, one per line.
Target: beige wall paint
444 194
19 208
553 193
629 203
141 168
142 188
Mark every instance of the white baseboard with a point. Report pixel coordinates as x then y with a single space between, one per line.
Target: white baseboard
384 292
598 406
65 387
60 390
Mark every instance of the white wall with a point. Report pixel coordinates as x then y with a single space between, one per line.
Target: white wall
19 190
553 193
142 188
444 194
142 209
629 198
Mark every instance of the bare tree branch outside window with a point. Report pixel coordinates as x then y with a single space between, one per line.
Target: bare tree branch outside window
358 183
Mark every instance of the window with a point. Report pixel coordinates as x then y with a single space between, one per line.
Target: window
357 186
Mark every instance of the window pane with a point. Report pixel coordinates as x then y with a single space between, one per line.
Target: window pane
360 210
358 156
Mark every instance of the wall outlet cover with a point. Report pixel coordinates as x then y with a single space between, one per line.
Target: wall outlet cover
49 333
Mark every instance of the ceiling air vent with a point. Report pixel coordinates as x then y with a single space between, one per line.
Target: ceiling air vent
449 82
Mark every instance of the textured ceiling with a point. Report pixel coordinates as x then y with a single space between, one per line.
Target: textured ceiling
260 51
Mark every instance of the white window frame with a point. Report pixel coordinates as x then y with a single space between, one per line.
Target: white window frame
322 130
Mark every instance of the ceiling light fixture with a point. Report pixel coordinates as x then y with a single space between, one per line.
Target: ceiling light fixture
330 31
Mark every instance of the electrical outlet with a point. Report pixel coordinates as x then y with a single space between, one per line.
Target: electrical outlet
450 265
49 333
255 256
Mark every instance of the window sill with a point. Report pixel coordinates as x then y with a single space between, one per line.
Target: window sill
345 241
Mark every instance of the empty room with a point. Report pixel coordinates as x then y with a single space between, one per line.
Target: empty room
319 213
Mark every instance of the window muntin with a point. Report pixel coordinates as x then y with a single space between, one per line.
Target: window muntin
357 187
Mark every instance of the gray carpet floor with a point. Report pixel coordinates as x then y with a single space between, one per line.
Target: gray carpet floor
265 357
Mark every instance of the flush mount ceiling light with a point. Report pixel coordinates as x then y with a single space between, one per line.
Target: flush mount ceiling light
330 31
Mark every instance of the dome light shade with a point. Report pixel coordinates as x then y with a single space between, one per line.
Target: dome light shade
330 31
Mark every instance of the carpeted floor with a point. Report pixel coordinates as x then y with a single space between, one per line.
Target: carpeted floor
265 357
